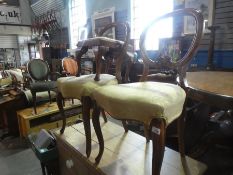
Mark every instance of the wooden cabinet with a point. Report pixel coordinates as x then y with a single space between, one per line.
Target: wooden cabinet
47 117
125 154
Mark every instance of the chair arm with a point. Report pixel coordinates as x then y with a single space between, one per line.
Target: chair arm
54 75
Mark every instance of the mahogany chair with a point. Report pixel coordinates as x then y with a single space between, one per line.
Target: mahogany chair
155 104
69 66
82 87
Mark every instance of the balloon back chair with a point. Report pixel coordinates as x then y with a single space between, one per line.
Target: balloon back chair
82 87
69 66
39 71
155 104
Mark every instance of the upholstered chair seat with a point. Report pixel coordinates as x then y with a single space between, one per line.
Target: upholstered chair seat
143 101
43 86
76 87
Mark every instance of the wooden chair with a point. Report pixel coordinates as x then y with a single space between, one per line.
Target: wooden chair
39 71
82 87
69 66
155 104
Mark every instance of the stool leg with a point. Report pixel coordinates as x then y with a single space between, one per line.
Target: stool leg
104 115
43 168
34 101
158 130
61 109
86 107
180 131
96 124
146 132
50 101
124 123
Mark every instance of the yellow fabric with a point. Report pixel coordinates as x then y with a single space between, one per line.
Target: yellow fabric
142 101
5 81
76 87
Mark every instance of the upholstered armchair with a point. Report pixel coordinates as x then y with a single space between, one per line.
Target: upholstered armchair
39 72
82 87
155 104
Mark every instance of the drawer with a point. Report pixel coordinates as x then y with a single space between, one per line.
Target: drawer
69 164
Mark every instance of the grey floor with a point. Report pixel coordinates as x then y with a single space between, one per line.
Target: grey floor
16 158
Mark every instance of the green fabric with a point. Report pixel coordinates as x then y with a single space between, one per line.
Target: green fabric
38 69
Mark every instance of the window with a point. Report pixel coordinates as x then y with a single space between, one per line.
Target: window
77 21
142 13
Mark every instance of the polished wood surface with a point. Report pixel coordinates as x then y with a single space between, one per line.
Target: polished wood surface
46 112
214 88
211 81
125 154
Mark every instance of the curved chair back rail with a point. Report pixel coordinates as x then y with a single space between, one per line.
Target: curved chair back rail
179 65
70 66
124 47
38 69
105 44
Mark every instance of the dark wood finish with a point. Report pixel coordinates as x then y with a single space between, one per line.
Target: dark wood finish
103 45
157 127
210 64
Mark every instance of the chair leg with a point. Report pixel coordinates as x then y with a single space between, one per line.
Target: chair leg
158 129
104 115
62 112
34 101
124 123
146 132
180 131
50 101
96 124
86 107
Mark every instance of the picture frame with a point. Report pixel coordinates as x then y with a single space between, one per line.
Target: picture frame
101 19
206 7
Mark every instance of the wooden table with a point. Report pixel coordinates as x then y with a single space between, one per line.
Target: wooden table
211 87
9 103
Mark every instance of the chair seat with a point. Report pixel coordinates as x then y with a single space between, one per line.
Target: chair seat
41 86
143 101
76 87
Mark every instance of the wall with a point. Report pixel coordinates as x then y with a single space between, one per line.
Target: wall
223 54
97 5
26 20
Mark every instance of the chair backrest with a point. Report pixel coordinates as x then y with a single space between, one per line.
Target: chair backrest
180 66
70 66
121 51
38 69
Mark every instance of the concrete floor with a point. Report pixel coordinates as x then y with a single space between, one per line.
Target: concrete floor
16 158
